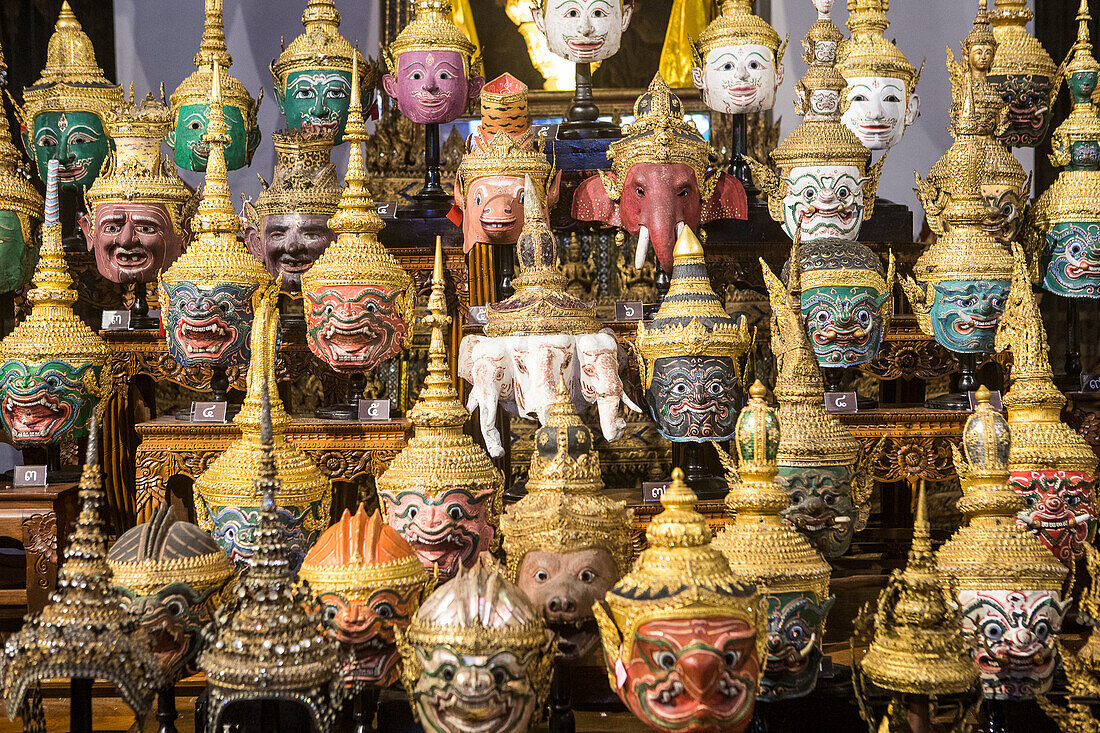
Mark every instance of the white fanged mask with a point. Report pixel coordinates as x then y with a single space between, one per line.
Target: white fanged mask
826 201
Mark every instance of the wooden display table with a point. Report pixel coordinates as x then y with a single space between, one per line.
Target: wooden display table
41 518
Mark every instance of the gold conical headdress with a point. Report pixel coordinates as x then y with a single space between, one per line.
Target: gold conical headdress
868 53
918 646
565 509
432 29
320 46
84 632
737 25
304 180
1018 52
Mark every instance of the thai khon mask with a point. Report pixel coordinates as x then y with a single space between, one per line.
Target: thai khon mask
682 634
171 574
738 61
369 582
20 213
583 31
477 655
1023 73
434 70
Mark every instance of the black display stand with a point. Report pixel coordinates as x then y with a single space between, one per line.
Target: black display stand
1071 381
139 311
431 201
739 167
166 709
80 705
995 721
582 119
560 703
968 382
834 382
348 410
364 706
691 456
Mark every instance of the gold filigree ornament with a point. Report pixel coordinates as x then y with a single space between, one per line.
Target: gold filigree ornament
84 632
680 575
266 641
868 53
17 194
304 180
136 170
319 46
72 80
565 510
432 29
737 25
691 320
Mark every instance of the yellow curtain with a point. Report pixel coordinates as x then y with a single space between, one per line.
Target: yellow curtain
687 21
463 17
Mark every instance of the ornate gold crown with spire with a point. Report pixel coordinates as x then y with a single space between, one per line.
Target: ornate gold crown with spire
691 320
503 153
760 545
737 25
1019 52
215 255
1040 439
304 181
84 632
16 192
868 53
320 46
918 646
432 29
565 509
266 642
213 58
137 170
439 454
72 80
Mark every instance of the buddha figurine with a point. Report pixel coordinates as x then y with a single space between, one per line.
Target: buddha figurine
918 648
358 301
288 226
171 575
881 94
1052 466
313 74
689 354
441 492
52 366
1068 213
266 641
821 182
567 543
209 295
20 211
537 337
490 184
227 501
139 209
63 113
826 475
738 60
663 178
369 582
477 655
1008 585
762 548
1023 73
683 635
190 104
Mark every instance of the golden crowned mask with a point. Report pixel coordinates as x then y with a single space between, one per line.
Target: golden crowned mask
432 29
737 25
84 632
17 194
868 53
691 320
266 641
137 170
319 46
565 509
1023 73
304 180
918 646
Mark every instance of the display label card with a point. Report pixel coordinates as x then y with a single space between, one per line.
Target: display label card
994 400
371 410
654 490
387 209
29 476
825 669
1090 382
632 310
115 321
841 402
477 315
207 412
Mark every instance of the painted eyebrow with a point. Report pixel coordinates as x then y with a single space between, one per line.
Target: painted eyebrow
147 219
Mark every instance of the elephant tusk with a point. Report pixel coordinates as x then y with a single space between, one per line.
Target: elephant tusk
679 228
643 248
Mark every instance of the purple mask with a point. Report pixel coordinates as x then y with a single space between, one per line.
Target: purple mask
431 86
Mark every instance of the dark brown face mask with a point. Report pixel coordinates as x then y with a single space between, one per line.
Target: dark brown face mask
289 244
132 241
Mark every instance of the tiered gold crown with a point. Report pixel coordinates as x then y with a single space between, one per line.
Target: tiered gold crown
304 181
16 192
1018 52
1081 58
564 509
72 80
761 546
918 646
360 554
540 303
439 455
1040 440
993 551
432 29
215 255
53 331
737 25
660 134
503 154
84 632
691 320
213 59
320 45
136 170
867 52
680 575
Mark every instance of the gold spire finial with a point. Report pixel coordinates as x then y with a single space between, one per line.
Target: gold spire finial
212 46
438 403
357 214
